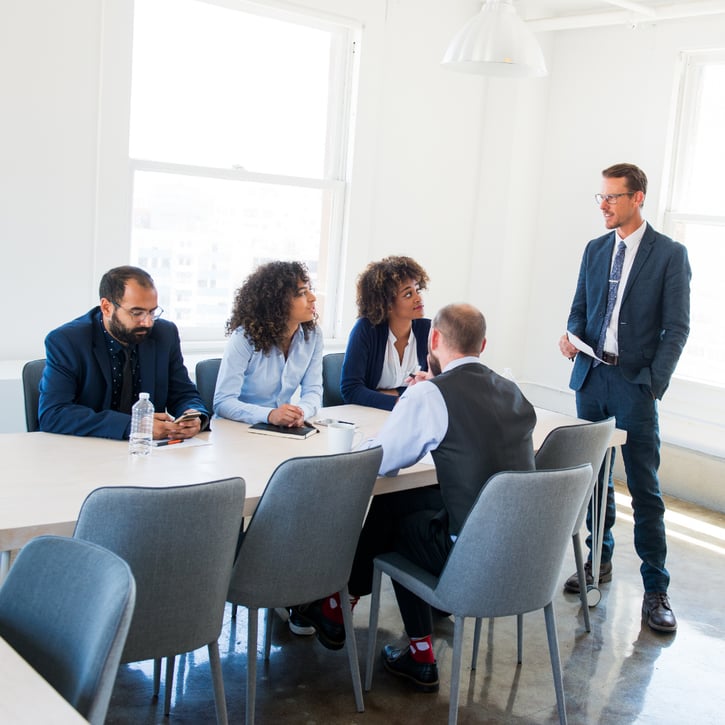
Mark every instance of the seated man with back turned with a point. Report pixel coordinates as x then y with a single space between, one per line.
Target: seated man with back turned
475 423
97 364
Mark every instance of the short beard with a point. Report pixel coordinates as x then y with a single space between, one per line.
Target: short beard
434 364
123 334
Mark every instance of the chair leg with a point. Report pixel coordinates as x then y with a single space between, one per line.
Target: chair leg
220 700
157 676
170 664
351 646
252 616
268 634
555 660
456 670
576 541
476 642
373 628
234 611
519 638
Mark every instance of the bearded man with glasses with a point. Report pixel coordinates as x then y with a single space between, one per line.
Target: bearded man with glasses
632 308
97 364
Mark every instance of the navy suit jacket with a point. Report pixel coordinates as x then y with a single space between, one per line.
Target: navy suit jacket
75 390
654 317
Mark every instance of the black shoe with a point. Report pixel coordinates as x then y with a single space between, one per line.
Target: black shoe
605 575
657 612
331 634
297 626
400 662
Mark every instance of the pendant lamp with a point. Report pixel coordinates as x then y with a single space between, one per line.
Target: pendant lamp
497 43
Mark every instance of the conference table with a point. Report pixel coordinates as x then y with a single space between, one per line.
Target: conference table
46 477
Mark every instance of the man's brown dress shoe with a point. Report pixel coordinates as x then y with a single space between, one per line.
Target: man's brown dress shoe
605 575
657 612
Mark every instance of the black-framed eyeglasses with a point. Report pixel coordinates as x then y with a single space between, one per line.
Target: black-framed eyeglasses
141 315
611 198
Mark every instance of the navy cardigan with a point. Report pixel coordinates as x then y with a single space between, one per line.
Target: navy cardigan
364 359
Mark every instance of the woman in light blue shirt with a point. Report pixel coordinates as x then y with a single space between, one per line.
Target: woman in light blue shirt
274 348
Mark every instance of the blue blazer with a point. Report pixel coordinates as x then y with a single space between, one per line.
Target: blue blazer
654 318
75 390
364 359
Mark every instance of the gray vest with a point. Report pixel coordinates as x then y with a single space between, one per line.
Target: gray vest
490 424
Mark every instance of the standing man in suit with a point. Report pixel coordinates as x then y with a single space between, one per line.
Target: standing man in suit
632 306
474 423
97 364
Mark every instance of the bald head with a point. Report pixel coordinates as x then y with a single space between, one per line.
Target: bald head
463 328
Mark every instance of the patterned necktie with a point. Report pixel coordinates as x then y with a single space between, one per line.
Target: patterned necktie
126 398
614 278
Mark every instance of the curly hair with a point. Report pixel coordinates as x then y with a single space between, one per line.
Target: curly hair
262 304
378 285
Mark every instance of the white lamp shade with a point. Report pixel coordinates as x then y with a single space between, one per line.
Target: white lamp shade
496 42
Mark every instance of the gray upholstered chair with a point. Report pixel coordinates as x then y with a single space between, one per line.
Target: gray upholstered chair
564 447
300 544
206 373
31 375
66 607
331 373
506 561
572 445
179 542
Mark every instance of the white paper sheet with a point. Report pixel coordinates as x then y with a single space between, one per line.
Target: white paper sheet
579 344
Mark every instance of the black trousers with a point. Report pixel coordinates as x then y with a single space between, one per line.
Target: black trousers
414 524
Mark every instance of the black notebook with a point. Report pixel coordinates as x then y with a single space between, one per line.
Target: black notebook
268 429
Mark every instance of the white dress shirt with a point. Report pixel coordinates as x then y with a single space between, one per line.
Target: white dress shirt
632 245
416 425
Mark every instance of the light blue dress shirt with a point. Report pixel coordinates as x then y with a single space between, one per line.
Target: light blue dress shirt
251 384
416 425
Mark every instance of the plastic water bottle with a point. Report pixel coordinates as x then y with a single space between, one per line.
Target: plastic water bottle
142 426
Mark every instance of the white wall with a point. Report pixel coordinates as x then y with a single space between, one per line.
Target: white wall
488 183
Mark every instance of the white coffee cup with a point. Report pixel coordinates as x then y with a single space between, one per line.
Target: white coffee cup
340 437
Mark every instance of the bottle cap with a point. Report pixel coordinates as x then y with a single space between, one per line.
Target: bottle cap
143 396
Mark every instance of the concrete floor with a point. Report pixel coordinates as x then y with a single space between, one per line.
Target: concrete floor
621 672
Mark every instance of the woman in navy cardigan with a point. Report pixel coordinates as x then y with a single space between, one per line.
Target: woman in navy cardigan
389 342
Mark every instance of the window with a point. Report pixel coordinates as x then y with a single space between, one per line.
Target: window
239 128
696 210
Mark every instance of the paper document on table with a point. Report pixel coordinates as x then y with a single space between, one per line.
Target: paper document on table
579 344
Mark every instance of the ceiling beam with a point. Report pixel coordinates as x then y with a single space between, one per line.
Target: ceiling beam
675 11
634 7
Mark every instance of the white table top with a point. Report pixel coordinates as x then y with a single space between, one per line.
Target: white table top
26 698
46 477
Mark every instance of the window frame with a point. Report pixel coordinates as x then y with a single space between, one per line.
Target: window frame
673 214
116 168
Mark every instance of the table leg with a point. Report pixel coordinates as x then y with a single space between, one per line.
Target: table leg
4 565
599 510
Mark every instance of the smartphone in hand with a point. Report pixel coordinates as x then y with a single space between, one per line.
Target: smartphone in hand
189 415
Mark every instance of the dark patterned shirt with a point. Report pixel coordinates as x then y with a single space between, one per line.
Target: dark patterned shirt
117 354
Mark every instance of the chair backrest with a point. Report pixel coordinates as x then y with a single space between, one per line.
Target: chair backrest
66 607
331 373
206 373
31 375
509 554
179 542
572 445
300 543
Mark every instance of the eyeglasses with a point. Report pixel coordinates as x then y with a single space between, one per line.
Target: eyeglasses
141 315
611 198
